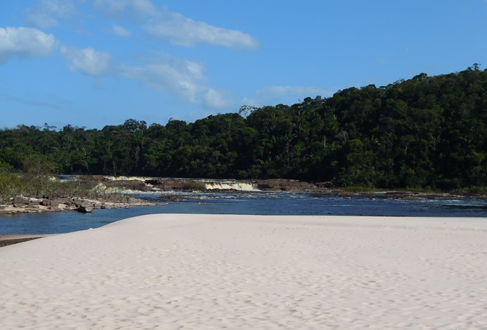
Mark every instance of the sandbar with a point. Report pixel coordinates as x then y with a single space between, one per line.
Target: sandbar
175 271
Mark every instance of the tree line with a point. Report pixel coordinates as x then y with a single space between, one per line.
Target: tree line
421 132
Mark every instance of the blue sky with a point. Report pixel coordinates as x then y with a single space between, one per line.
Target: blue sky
99 62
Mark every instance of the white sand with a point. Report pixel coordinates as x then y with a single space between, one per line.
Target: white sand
251 272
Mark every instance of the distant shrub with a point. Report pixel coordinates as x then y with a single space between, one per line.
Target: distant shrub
9 185
194 186
38 181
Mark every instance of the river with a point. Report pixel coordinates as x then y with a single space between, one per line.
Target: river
265 203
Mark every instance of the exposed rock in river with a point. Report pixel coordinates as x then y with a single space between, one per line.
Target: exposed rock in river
84 209
141 184
23 204
292 185
241 185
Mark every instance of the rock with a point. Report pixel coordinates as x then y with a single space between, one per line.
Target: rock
154 181
20 200
84 209
63 200
94 178
326 184
129 184
285 185
172 198
35 201
170 184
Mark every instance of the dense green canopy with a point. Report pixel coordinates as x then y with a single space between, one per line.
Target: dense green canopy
426 131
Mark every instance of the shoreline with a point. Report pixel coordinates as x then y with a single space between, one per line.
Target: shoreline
11 239
160 184
21 204
116 192
251 272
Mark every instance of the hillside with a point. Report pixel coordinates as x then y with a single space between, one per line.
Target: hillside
422 132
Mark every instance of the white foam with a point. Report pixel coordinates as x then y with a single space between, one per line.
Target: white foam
230 186
128 178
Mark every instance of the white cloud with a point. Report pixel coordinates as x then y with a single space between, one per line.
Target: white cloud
215 99
25 42
184 31
278 91
179 30
87 60
47 12
168 73
251 102
137 9
120 31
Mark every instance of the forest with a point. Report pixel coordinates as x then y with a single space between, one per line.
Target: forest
422 132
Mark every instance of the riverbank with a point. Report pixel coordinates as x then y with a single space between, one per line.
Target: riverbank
251 272
6 240
108 192
21 204
161 185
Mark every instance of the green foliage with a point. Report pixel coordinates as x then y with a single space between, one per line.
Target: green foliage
38 181
36 176
194 186
417 133
9 182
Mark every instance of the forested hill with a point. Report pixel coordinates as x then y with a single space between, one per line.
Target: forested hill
426 131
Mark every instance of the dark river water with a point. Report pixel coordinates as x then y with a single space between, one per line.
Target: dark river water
264 203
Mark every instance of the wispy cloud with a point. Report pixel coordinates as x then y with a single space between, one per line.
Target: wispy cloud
251 102
87 60
162 24
216 100
166 73
120 31
47 13
186 32
25 42
118 9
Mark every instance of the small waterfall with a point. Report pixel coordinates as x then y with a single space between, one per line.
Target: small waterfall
210 184
127 178
230 185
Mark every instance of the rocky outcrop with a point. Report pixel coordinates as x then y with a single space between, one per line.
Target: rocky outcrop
236 185
175 184
292 185
40 205
84 209
229 185
133 185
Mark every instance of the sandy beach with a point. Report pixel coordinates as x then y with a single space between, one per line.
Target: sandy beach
172 271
